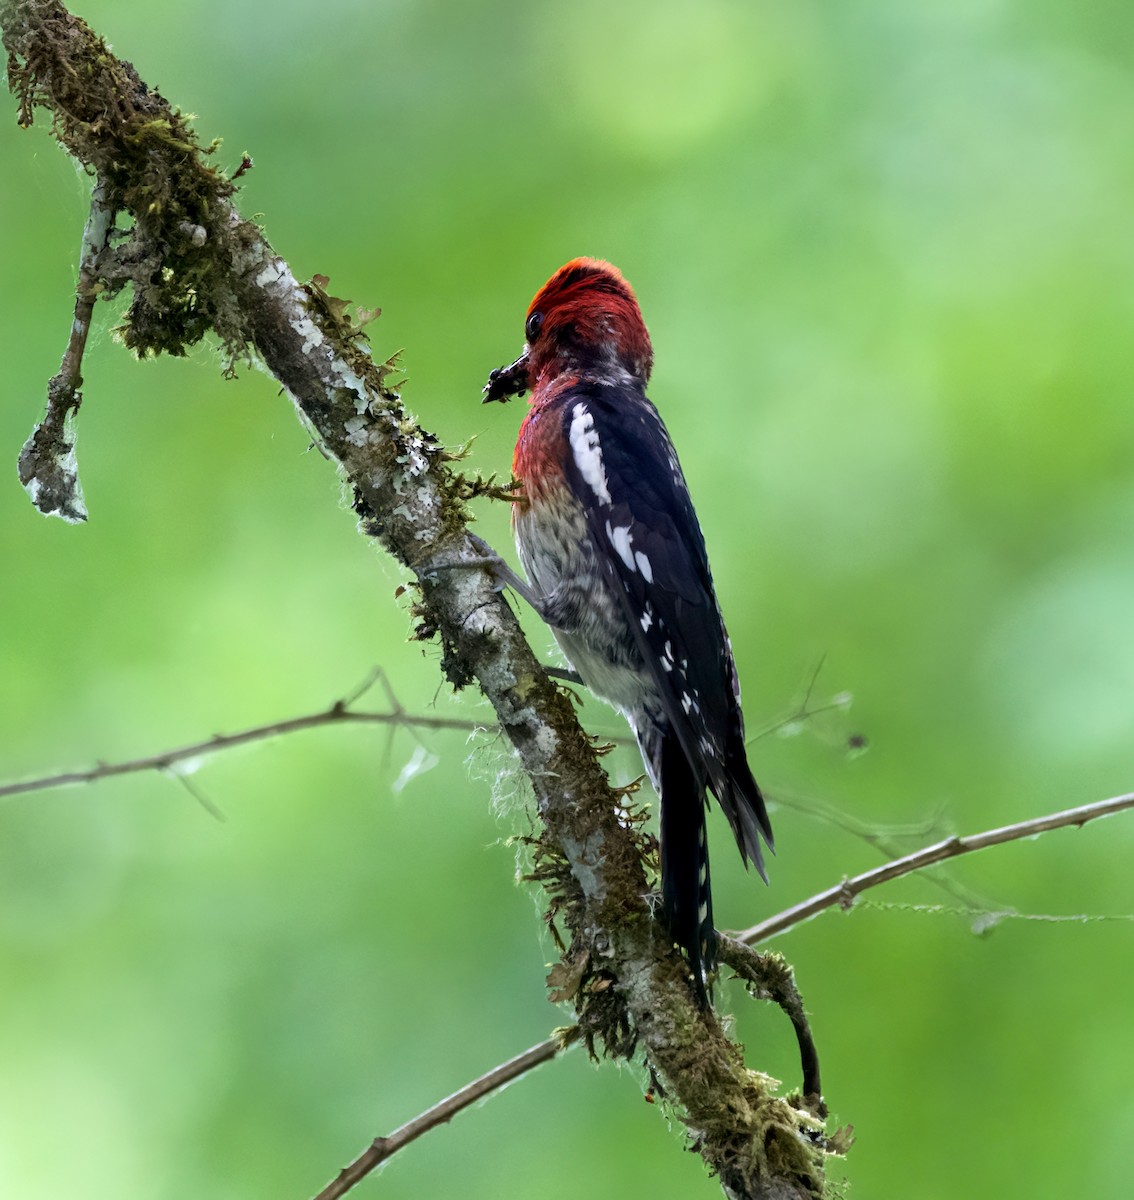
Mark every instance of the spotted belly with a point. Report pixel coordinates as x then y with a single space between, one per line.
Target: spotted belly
584 612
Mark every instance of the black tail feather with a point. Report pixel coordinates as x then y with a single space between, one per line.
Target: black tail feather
743 803
686 894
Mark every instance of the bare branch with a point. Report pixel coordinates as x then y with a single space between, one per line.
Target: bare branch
383 1147
891 842
337 714
843 894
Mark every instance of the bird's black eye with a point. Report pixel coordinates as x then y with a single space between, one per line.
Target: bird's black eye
534 325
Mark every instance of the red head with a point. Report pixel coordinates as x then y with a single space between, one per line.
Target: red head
585 320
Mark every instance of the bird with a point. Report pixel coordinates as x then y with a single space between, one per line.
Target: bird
616 565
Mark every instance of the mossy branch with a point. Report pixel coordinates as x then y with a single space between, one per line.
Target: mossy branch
193 265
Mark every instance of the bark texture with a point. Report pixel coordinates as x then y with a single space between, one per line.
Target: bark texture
194 265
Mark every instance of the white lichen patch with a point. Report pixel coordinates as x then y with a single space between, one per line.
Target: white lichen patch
357 431
546 740
310 332
273 272
53 486
413 457
275 275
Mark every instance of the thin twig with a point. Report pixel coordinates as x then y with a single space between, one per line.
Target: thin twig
843 894
890 842
984 919
769 977
803 710
383 1147
198 795
47 465
398 717
886 842
377 675
337 714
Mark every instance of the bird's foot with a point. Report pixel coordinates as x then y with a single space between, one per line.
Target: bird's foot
631 788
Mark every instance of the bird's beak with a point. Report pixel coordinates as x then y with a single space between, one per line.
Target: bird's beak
506 382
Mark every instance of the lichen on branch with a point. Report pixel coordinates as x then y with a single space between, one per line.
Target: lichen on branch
194 264
152 167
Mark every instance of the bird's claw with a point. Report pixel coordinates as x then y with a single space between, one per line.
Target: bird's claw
488 561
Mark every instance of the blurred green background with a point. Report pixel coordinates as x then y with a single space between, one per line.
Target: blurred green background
885 252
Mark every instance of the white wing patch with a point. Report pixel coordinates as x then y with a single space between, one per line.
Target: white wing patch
587 452
620 540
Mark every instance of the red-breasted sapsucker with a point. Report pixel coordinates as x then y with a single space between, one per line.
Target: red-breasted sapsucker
617 567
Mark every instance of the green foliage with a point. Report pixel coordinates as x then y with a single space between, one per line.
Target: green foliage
884 251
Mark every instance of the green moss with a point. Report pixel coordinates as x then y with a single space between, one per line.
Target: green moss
155 172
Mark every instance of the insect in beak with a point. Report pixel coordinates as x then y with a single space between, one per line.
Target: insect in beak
506 382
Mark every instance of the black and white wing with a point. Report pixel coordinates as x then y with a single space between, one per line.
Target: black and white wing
622 466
